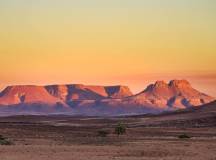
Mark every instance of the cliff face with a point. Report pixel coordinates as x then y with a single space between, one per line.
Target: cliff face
118 91
85 92
91 100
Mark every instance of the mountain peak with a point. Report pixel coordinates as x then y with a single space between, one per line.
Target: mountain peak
179 83
160 84
177 93
158 89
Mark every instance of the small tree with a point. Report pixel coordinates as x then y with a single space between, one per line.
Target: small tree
184 136
120 129
4 141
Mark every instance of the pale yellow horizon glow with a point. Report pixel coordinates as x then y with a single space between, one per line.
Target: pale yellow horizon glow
108 42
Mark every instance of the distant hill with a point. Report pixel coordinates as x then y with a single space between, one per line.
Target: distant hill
100 100
200 116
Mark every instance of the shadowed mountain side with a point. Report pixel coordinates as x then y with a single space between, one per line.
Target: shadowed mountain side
118 91
34 109
85 92
110 107
74 92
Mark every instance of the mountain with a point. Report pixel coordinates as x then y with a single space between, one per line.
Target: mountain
29 99
177 94
101 100
26 94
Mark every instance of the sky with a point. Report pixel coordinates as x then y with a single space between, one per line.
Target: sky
108 42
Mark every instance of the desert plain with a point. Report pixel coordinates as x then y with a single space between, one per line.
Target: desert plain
148 137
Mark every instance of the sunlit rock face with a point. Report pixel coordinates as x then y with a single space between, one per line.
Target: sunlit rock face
100 100
26 94
177 94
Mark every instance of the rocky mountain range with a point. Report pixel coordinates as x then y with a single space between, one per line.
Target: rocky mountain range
100 100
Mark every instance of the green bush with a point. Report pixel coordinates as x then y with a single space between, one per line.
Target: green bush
120 129
4 141
184 136
103 133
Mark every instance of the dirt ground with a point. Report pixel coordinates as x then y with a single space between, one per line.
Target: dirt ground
148 150
67 138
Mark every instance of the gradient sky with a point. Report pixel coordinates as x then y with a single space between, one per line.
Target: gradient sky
130 42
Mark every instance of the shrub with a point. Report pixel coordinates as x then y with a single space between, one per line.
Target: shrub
4 141
103 133
184 136
120 129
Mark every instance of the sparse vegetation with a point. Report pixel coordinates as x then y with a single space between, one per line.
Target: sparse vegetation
120 129
184 136
4 141
103 133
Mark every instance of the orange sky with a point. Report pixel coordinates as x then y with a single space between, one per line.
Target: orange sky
108 42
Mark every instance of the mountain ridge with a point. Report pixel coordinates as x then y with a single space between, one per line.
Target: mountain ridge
90 99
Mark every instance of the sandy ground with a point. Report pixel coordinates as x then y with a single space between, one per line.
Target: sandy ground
42 138
146 150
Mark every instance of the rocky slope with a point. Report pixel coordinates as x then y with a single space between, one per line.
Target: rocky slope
100 100
177 94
